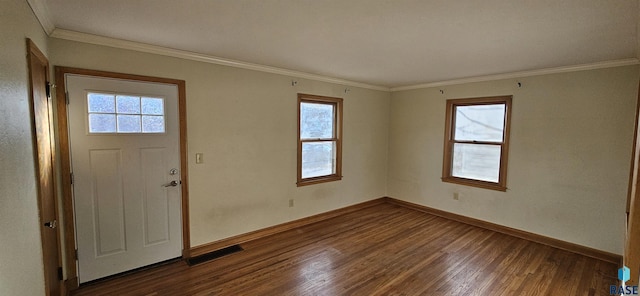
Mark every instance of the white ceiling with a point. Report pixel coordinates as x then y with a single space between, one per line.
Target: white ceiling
378 42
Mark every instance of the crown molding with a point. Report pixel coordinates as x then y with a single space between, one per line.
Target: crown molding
574 68
154 49
176 53
40 9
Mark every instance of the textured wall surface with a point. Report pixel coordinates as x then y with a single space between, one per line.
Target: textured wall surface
245 124
21 251
569 156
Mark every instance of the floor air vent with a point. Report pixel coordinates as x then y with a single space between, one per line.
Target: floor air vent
215 254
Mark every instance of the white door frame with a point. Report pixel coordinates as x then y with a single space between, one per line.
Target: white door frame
71 271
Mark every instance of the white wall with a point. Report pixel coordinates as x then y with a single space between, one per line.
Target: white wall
569 157
245 124
21 251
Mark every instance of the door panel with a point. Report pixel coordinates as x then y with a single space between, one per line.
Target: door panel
41 105
156 200
126 215
107 201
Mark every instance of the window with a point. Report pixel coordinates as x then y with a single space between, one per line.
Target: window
319 139
115 113
476 142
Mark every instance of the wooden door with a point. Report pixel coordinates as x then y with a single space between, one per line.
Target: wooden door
631 250
41 122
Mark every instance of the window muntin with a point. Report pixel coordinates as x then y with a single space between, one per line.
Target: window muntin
476 142
118 113
319 139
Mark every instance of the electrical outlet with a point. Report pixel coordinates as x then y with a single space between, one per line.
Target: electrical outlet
456 196
291 203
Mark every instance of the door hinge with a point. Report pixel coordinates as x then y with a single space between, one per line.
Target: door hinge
66 97
60 277
71 178
47 89
76 254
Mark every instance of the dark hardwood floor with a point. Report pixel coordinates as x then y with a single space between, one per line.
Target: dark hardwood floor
381 250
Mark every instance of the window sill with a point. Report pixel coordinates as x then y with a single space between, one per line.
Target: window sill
318 180
475 183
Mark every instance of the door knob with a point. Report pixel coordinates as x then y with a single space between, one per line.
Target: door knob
51 224
172 184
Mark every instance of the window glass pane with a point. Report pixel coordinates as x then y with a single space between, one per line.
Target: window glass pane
101 103
102 123
476 161
128 105
128 123
316 121
318 159
152 106
152 124
479 123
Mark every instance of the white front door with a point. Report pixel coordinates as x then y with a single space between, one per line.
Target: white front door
124 140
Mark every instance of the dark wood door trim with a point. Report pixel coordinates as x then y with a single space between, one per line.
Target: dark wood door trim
44 157
631 252
633 156
65 161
